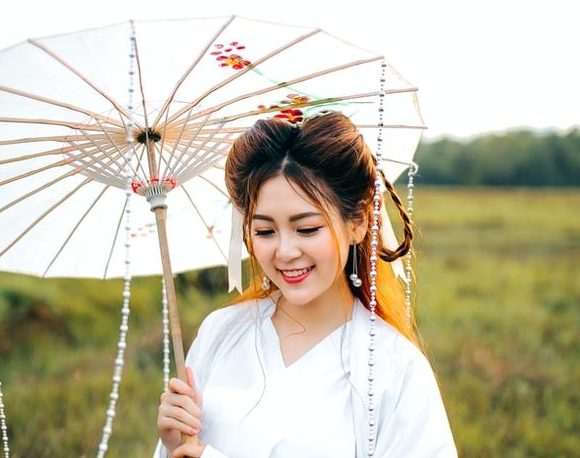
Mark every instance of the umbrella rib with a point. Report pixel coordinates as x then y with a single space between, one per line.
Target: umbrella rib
140 75
74 230
37 190
122 154
243 72
178 139
30 173
42 216
57 138
313 103
212 155
59 104
53 122
61 61
199 160
164 108
204 223
62 150
295 81
115 238
191 140
211 183
96 167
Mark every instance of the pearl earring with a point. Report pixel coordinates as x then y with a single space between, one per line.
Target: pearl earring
265 283
356 281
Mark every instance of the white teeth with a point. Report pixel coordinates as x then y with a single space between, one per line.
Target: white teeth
295 273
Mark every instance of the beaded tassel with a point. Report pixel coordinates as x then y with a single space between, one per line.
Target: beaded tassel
409 257
3 426
124 328
373 287
166 351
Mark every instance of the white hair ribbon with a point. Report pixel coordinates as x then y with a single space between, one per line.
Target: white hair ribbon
235 253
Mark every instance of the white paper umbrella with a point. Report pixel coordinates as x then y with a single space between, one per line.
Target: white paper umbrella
199 83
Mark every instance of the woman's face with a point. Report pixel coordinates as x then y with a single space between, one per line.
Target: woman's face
294 245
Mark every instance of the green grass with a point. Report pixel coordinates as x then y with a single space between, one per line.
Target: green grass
498 305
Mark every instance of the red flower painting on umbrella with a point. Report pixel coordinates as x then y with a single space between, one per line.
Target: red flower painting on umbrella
227 55
293 115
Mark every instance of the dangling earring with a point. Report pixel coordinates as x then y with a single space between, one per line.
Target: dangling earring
356 282
265 283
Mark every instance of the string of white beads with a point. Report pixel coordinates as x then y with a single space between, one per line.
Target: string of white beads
373 274
3 426
413 168
125 310
166 351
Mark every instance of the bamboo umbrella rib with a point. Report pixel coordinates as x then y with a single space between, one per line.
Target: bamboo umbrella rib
191 140
209 159
202 147
116 234
58 103
62 150
42 187
61 61
178 140
139 157
180 133
55 122
56 138
207 180
97 167
242 72
140 78
296 81
120 154
71 233
44 215
164 108
30 173
311 103
207 226
194 152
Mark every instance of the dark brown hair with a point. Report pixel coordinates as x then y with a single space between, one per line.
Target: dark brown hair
327 158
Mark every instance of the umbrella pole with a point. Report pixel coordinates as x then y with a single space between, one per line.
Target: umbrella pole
158 206
161 220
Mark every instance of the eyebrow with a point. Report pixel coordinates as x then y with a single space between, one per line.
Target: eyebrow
292 219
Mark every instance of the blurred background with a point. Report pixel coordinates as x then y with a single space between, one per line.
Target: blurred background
497 256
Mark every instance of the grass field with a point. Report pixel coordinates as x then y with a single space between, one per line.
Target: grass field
498 305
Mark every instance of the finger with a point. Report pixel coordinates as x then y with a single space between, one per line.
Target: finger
179 386
169 424
182 402
188 450
179 414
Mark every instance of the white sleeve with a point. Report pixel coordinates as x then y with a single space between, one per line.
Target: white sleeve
195 358
210 452
418 426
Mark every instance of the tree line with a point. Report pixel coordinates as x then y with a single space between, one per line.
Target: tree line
515 158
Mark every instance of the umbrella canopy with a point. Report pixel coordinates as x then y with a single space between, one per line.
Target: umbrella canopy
199 83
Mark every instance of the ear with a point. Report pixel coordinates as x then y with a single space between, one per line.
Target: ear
357 229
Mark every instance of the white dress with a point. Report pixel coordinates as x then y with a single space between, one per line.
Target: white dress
255 406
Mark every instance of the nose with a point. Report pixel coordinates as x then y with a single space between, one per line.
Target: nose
288 248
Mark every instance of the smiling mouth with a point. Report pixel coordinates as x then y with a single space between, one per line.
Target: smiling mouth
296 275
296 272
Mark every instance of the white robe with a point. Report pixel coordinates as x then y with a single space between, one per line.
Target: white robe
255 406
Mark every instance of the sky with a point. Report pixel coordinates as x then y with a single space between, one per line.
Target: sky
480 66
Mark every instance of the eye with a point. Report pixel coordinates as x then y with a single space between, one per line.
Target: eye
309 230
263 233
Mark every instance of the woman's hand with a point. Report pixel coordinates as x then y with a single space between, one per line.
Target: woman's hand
180 413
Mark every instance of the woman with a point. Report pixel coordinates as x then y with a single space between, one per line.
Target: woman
284 372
